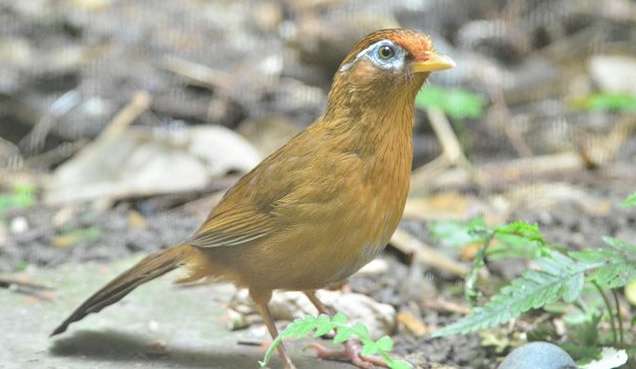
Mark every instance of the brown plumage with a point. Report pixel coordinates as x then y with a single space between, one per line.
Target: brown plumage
324 204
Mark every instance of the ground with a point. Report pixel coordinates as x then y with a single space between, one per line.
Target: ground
158 326
262 69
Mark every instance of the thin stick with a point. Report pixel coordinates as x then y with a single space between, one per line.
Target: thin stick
27 288
199 74
137 105
446 136
609 311
619 317
7 282
425 254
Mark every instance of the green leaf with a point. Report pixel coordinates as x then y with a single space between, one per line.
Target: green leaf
369 349
573 288
615 265
342 335
21 196
457 103
385 343
620 245
524 230
323 326
586 333
513 246
458 233
361 331
300 328
630 201
339 318
621 102
399 364
557 276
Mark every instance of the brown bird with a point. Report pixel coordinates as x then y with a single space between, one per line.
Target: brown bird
320 207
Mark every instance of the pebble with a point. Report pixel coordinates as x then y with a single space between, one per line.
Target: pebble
538 355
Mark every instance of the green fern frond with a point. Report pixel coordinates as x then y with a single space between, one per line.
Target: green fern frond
618 263
557 276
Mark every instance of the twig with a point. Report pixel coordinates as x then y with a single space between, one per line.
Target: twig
596 150
56 155
27 288
452 149
506 122
502 172
60 107
619 318
446 306
446 136
609 311
197 73
137 105
426 254
7 282
13 159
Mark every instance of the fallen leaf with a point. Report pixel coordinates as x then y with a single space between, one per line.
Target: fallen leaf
412 323
610 358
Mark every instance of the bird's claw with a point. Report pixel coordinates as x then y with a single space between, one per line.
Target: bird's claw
351 353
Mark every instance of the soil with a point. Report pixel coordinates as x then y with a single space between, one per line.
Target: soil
73 67
121 233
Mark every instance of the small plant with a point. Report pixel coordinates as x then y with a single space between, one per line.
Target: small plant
619 102
20 196
556 275
456 103
323 324
630 201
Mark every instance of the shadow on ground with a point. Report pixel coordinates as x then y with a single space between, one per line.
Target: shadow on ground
115 346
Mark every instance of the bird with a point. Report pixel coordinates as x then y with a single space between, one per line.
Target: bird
320 207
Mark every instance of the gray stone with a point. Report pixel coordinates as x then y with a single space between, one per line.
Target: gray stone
157 326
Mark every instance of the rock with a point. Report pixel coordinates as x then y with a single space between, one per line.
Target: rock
614 73
495 38
379 318
324 41
610 358
538 355
141 162
157 326
269 133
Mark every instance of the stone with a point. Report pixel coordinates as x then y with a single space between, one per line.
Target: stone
158 326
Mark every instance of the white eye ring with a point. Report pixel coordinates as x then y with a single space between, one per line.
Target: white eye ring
394 62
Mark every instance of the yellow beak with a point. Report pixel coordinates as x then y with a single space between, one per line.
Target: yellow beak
434 63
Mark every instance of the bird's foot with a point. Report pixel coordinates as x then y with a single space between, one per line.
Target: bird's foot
351 353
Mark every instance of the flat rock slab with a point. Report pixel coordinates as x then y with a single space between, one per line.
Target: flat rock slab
157 326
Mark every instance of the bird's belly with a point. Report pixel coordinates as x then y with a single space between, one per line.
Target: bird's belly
367 253
317 255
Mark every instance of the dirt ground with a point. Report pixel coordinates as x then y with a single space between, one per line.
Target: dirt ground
262 69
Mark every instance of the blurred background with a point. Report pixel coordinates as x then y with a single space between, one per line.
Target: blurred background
122 122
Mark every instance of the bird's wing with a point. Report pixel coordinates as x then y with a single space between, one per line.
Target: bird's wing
290 187
247 212
236 226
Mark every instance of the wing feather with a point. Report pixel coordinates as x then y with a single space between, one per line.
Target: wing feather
233 227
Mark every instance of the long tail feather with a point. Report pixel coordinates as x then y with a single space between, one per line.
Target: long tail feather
151 267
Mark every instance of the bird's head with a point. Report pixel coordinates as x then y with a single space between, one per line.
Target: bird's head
385 67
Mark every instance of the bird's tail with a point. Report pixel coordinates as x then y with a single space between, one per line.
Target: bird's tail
151 267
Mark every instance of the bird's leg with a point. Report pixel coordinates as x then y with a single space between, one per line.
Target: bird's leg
261 300
322 309
352 349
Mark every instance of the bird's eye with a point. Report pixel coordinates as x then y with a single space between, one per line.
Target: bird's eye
386 52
